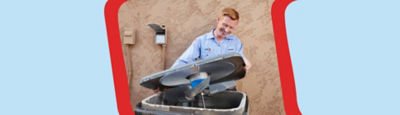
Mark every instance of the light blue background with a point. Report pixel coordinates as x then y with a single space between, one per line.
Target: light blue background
55 58
345 56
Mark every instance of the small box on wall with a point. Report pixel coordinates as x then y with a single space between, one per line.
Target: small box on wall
160 37
128 37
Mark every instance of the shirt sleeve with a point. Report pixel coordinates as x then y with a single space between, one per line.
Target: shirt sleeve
240 50
189 55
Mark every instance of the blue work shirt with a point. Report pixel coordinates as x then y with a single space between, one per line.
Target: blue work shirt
207 46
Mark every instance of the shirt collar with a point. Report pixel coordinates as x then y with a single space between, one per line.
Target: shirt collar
210 35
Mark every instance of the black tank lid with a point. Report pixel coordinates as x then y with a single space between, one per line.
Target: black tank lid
220 68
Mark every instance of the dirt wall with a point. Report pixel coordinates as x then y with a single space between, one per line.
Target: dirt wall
187 19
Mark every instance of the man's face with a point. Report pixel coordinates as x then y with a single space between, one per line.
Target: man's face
225 26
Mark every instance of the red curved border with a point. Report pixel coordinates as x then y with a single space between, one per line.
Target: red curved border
284 62
282 48
117 59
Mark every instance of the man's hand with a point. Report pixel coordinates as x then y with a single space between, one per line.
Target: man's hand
247 64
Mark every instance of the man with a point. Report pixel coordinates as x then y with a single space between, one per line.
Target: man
218 41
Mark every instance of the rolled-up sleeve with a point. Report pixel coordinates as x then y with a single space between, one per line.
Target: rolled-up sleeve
240 50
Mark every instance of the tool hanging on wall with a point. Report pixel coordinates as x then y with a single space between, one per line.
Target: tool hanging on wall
160 39
128 40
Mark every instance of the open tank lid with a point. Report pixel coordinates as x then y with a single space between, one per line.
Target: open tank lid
221 68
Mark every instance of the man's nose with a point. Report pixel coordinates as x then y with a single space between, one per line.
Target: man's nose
228 30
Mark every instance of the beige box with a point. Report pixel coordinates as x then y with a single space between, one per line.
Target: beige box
128 37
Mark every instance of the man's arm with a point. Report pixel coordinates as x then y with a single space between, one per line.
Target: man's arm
248 64
246 61
190 54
